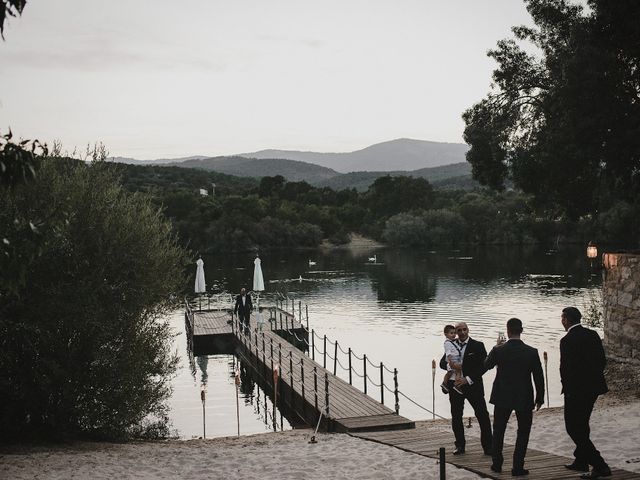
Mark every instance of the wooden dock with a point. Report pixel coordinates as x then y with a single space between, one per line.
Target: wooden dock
426 442
304 386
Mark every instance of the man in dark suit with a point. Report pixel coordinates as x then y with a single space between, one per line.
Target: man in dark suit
473 355
512 390
243 309
582 363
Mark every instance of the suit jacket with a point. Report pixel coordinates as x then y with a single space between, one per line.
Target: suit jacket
240 308
582 363
517 362
473 363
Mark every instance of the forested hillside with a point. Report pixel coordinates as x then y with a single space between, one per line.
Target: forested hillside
247 214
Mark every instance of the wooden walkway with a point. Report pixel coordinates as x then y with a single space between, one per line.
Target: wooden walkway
302 386
427 442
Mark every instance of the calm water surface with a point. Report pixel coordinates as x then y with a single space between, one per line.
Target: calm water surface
393 311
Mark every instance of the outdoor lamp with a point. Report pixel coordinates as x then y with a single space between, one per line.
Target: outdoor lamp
592 250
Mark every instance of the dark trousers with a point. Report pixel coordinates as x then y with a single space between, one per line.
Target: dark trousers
577 412
475 396
500 418
243 316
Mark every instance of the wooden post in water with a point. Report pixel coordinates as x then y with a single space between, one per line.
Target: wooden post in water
433 388
546 375
395 391
381 383
335 357
350 379
364 361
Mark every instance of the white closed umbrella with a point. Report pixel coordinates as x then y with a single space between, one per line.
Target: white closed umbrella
200 285
258 286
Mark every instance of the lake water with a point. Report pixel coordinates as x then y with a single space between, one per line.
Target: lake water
393 311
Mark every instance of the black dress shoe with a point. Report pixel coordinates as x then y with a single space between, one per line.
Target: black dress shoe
458 451
496 469
578 467
597 473
519 473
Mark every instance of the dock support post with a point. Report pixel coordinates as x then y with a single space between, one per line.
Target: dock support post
350 374
381 383
443 464
324 361
326 393
306 308
364 361
335 357
280 320
395 391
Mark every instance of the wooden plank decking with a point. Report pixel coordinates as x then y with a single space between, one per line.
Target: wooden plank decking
426 442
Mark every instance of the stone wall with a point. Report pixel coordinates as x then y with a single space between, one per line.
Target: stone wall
621 306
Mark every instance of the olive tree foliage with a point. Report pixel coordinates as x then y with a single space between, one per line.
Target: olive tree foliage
562 122
84 348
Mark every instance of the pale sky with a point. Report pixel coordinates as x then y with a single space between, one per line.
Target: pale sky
153 78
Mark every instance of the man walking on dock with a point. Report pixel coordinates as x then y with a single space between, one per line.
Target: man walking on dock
243 309
512 390
473 355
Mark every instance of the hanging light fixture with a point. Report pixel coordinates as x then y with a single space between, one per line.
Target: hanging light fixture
592 250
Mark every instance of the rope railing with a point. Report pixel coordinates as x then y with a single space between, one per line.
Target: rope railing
280 320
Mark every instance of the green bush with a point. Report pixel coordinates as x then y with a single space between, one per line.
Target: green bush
83 347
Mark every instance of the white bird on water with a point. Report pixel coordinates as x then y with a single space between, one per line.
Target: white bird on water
374 259
311 263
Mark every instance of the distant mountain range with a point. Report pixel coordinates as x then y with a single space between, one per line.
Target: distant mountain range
401 154
441 163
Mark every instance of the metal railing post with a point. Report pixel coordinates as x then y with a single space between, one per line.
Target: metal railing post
350 378
326 393
302 387
395 391
291 375
364 360
335 357
315 385
381 383
324 361
306 307
313 344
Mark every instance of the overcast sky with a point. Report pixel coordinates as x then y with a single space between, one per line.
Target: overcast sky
153 78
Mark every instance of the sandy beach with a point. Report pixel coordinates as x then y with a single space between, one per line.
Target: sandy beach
289 455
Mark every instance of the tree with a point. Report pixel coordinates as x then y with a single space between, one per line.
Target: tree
83 349
563 125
